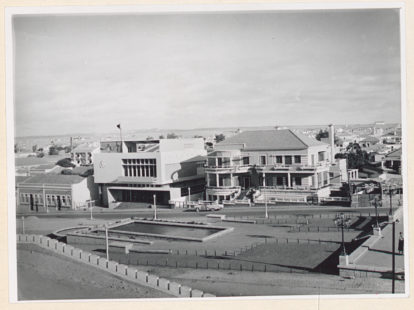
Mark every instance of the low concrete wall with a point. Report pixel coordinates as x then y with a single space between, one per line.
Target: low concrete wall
113 267
94 259
152 280
185 291
174 288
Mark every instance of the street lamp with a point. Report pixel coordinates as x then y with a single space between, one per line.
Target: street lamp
390 191
266 215
107 241
155 206
189 194
393 252
342 222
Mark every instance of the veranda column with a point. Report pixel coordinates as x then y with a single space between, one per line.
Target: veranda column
288 179
217 180
264 180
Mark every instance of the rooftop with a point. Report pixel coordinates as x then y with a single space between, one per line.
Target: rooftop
283 139
394 154
52 179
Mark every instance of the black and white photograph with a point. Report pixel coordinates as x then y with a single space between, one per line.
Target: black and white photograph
206 152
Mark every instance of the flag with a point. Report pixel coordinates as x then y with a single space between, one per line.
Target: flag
119 126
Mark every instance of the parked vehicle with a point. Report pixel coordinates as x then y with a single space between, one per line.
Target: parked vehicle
204 205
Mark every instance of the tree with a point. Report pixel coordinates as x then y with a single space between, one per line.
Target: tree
65 163
219 138
172 136
356 158
161 137
322 134
53 151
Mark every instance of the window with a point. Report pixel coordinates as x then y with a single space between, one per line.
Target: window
298 181
321 156
279 159
140 167
263 160
246 160
288 160
298 159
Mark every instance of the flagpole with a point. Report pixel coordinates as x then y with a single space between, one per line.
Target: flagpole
120 133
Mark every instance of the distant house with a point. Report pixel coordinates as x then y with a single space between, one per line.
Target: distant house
83 154
391 138
368 141
54 191
393 160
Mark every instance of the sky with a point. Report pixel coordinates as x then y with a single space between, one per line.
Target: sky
88 73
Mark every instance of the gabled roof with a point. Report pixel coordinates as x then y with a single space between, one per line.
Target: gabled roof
283 139
53 179
394 154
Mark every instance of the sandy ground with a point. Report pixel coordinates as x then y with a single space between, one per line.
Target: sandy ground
234 283
43 275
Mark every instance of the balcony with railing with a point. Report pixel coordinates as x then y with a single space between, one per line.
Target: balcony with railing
227 168
297 168
222 190
296 188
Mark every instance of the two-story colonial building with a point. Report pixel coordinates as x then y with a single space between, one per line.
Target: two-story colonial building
280 164
135 171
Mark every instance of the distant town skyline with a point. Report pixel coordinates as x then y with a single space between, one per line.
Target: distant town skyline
76 74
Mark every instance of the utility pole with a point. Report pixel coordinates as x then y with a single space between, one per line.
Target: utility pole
189 194
266 215
23 224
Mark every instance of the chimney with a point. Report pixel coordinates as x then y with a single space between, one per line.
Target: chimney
332 142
